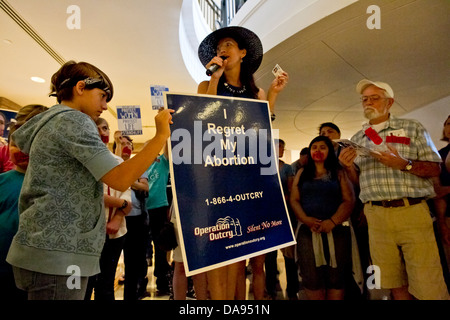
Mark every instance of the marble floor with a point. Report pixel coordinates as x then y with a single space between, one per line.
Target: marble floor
153 295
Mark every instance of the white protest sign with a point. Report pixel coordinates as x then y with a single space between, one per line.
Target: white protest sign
129 120
157 96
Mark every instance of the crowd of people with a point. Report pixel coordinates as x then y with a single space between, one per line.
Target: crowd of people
70 205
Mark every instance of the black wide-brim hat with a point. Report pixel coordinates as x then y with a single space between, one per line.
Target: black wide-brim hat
246 39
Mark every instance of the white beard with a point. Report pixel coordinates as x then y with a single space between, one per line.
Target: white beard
371 113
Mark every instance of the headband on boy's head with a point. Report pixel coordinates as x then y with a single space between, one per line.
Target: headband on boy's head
90 82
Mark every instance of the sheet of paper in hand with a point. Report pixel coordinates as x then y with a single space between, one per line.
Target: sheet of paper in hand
277 71
360 150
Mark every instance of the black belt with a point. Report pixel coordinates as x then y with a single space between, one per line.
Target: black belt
397 202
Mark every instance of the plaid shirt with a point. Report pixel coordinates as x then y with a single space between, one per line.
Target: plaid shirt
379 182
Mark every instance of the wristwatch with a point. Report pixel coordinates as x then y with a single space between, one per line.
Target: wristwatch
124 205
408 166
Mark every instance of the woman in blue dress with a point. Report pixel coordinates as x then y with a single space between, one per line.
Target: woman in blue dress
322 199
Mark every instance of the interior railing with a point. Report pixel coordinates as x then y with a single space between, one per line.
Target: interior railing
219 16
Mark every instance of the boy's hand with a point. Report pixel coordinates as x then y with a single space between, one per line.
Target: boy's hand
163 120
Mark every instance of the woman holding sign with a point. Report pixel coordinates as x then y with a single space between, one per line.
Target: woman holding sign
232 55
322 198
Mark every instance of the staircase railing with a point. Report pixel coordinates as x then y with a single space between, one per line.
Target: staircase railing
219 16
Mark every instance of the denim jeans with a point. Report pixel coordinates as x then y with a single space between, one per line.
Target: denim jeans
40 286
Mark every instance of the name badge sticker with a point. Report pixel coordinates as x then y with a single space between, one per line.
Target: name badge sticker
398 136
397 133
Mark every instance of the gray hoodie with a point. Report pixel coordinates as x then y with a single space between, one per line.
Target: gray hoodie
61 215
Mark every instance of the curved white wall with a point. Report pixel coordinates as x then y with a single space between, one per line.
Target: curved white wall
432 117
193 29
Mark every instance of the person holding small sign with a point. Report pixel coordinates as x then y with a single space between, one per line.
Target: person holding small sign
62 224
235 53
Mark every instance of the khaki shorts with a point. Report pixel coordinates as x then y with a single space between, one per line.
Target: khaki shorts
403 245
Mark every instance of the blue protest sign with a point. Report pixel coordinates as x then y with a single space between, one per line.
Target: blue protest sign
129 120
156 92
227 192
6 116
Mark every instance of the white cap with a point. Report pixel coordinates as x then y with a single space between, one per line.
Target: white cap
363 84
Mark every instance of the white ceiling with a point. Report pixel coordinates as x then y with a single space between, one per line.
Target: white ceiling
136 43
326 60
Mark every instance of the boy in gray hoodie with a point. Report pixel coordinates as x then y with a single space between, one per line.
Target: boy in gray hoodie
62 226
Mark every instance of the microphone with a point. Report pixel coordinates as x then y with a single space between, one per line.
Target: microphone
214 67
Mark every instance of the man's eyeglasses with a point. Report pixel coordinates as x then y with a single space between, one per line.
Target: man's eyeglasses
373 98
